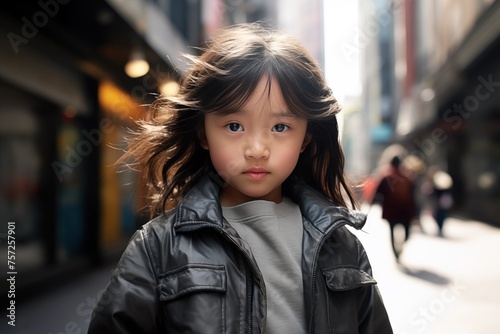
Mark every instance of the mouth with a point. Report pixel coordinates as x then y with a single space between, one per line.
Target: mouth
256 173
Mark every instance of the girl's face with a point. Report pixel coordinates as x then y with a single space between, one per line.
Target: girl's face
257 147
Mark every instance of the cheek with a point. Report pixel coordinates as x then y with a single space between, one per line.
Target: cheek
287 158
225 161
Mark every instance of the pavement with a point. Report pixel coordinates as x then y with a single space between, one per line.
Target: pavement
441 285
65 310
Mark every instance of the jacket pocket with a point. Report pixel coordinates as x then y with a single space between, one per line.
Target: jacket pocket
342 309
192 298
346 278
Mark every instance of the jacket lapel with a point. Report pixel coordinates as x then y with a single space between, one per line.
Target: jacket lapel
200 207
321 212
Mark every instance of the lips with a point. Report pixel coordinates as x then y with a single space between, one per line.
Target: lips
256 173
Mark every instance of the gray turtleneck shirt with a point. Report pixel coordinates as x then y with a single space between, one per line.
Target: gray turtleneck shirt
274 234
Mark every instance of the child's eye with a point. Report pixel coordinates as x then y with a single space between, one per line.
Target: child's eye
280 128
234 127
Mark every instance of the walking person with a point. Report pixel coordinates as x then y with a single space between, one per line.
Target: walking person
438 188
249 232
396 194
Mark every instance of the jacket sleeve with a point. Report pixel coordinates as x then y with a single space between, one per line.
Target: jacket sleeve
372 315
129 304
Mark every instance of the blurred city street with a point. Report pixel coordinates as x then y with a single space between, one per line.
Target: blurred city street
442 285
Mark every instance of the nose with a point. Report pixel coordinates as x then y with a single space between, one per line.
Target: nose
257 147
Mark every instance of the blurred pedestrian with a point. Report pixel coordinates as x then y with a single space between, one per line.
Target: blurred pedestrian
396 194
248 157
417 170
438 187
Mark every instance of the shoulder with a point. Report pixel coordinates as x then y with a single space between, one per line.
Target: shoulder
160 222
152 242
157 229
349 241
149 238
342 249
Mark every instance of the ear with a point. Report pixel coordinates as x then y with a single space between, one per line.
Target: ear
307 140
202 137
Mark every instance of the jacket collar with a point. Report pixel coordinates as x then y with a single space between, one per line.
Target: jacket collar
319 210
200 207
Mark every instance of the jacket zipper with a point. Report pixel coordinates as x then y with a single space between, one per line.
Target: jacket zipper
249 300
315 265
249 276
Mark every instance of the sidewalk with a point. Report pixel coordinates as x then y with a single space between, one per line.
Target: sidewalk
442 285
63 311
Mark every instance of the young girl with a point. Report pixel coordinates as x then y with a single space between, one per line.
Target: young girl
250 232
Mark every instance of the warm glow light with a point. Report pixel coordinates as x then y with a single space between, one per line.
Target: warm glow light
115 101
169 88
137 66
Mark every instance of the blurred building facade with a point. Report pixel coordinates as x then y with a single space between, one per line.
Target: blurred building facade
66 104
375 43
303 19
436 88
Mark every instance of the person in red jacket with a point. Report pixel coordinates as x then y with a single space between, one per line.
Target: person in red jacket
396 194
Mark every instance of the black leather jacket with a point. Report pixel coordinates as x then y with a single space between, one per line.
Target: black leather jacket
189 272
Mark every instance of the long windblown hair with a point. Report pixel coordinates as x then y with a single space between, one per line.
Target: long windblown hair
167 149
